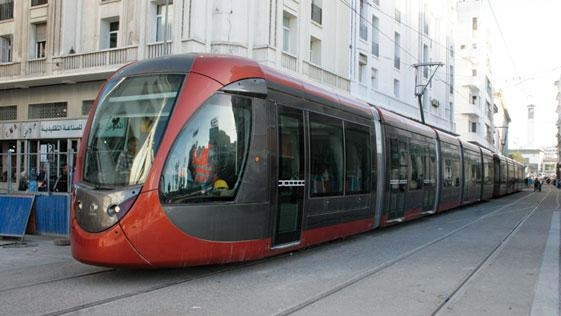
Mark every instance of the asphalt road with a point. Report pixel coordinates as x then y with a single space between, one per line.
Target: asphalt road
494 258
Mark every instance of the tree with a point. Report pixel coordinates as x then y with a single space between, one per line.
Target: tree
516 155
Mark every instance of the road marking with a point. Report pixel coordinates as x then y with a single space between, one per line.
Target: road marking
546 295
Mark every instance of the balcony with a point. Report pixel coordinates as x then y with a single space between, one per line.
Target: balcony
64 69
288 61
157 50
37 66
102 60
324 76
10 70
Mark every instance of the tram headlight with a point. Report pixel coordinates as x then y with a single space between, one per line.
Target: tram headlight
113 210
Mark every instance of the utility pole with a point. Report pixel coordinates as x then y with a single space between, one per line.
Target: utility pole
419 87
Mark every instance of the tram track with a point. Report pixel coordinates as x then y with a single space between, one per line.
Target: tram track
217 270
52 281
157 287
487 260
388 264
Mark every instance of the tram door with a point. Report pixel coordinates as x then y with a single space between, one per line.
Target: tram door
291 184
399 168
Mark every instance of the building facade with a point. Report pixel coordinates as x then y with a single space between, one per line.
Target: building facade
502 121
55 54
388 39
474 94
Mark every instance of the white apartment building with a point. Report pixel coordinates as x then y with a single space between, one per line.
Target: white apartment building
474 89
388 38
557 84
55 54
502 120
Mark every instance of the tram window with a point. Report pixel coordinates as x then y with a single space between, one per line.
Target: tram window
326 155
416 152
209 155
127 128
357 140
451 165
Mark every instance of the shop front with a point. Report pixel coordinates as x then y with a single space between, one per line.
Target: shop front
37 160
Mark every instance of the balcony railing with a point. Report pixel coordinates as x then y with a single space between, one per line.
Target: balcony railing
37 66
288 61
157 49
324 76
10 70
97 59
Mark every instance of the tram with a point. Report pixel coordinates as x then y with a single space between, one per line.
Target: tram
205 159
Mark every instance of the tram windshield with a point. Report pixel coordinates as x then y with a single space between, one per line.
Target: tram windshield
127 128
208 157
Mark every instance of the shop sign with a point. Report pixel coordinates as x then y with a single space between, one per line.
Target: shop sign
62 129
42 129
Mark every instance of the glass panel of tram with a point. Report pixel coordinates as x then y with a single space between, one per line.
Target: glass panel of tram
209 155
127 128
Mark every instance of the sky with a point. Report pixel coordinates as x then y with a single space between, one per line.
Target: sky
526 63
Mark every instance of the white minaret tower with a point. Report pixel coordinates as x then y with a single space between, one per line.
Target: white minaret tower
530 132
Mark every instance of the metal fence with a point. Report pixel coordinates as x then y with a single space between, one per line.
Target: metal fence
36 172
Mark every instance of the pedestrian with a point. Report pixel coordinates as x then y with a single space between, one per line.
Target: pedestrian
61 183
537 185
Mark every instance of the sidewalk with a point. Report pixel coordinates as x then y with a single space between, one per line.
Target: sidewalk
34 250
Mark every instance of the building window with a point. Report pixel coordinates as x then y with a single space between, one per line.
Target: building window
473 99
474 24
315 51
161 30
86 107
362 61
38 2
451 79
396 88
47 110
363 29
6 49
9 113
40 40
113 34
472 127
397 52
397 15
425 20
375 36
425 60
109 37
474 72
374 78
288 33
530 113
6 9
316 11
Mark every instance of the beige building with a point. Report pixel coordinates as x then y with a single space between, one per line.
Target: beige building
55 54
